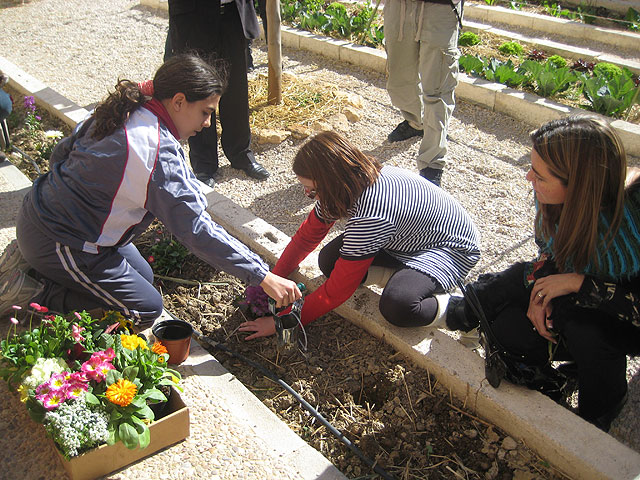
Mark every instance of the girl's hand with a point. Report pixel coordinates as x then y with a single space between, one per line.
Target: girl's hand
263 327
282 290
548 288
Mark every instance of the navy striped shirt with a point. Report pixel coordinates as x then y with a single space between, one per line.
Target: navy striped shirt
414 221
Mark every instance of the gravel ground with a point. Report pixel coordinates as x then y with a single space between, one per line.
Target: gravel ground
82 55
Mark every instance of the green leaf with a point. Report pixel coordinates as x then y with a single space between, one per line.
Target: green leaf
145 412
113 376
128 435
155 394
144 435
91 399
130 373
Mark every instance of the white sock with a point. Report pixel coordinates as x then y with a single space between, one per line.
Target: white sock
441 314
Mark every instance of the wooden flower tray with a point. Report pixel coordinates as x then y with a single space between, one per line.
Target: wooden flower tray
105 459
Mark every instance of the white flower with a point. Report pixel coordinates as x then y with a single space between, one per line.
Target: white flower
42 371
77 427
53 134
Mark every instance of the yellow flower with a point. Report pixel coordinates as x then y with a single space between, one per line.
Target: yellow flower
159 349
131 342
121 392
24 393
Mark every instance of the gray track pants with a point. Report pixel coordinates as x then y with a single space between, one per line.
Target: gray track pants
115 279
421 40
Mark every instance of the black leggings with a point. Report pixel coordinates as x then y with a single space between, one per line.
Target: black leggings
596 342
407 300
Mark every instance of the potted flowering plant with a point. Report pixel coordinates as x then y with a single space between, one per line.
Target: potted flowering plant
87 380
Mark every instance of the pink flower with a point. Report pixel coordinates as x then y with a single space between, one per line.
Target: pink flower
151 259
75 332
103 369
96 368
76 377
42 390
38 308
16 307
53 400
58 381
105 355
76 390
14 320
78 316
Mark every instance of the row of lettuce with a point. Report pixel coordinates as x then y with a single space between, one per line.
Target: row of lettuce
607 88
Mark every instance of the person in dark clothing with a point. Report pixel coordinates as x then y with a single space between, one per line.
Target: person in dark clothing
262 11
580 300
222 29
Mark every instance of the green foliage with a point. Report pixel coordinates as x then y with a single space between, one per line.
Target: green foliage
167 254
557 61
335 19
468 39
503 72
611 96
547 79
511 48
605 69
53 338
633 17
490 2
471 64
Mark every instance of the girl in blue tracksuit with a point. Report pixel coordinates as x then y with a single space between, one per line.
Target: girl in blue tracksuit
121 168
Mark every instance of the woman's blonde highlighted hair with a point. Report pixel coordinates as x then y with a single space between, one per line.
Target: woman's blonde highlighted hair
340 171
586 154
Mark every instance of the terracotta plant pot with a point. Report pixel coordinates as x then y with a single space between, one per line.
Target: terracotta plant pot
175 335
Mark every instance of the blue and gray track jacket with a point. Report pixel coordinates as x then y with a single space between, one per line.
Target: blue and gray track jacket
105 193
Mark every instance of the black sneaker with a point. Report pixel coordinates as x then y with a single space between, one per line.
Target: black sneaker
402 132
432 174
459 317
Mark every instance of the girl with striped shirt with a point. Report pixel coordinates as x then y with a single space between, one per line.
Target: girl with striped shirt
402 232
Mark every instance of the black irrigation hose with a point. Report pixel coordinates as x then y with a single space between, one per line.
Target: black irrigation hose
337 433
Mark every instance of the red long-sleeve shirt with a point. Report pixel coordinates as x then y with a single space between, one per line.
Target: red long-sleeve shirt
345 277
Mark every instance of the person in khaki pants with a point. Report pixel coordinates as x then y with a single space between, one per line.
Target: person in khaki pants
422 60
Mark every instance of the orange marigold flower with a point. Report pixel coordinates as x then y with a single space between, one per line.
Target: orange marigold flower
159 348
121 392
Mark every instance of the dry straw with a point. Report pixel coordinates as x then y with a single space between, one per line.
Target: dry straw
303 103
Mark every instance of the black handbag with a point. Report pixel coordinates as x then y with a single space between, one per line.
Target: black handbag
501 364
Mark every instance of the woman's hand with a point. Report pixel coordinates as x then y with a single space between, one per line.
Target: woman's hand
263 327
548 288
282 290
539 317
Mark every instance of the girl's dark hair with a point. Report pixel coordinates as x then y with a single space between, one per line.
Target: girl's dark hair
340 171
186 73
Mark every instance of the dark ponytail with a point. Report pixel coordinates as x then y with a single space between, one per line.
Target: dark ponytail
186 73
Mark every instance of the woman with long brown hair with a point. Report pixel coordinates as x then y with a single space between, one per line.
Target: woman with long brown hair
582 295
402 232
